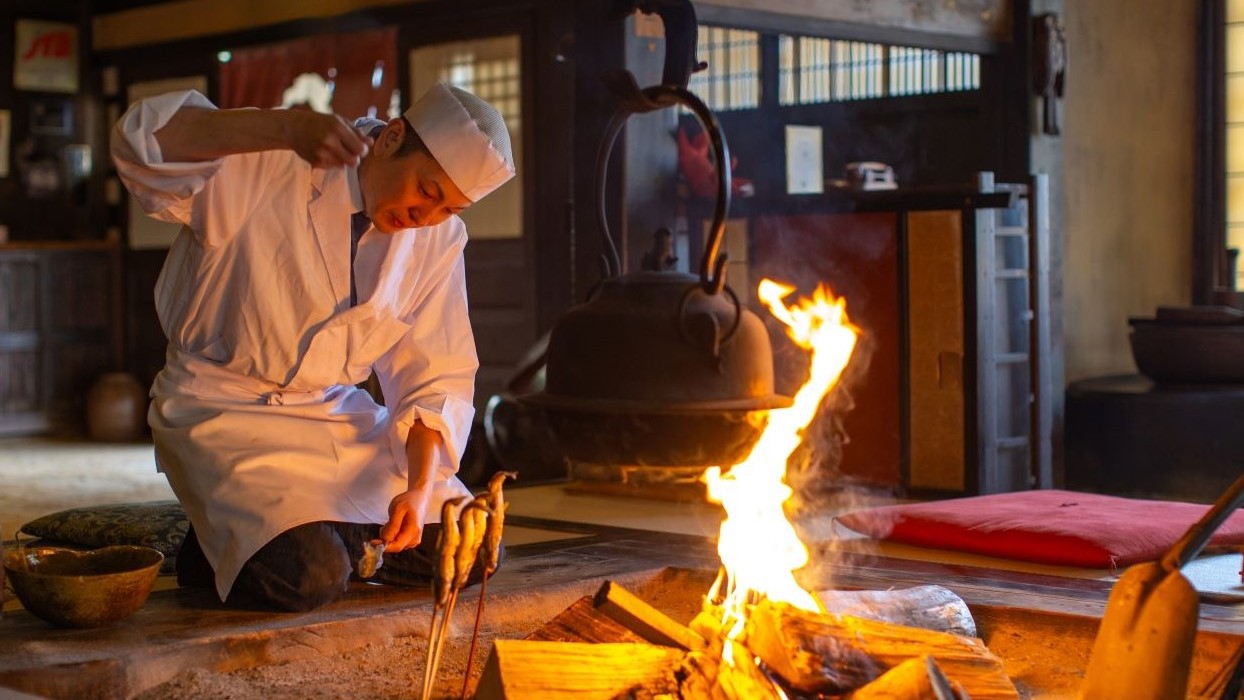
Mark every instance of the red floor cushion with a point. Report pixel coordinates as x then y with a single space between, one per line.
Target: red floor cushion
1063 528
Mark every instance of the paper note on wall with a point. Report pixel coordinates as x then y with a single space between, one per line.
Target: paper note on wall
805 172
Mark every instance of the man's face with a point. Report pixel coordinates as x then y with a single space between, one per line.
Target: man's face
407 191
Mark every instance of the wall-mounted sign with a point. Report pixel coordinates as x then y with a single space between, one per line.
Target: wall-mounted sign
5 127
146 233
51 115
46 56
805 172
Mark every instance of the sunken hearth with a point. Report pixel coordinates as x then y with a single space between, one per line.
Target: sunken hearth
1041 627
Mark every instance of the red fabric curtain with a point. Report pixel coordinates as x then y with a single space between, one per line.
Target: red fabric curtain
259 76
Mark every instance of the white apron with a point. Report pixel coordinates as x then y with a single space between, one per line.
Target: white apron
256 421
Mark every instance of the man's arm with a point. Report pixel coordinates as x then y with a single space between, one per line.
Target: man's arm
405 526
199 134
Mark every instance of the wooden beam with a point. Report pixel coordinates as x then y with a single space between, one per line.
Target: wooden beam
189 19
886 21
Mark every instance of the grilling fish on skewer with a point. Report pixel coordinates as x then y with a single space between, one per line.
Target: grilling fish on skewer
471 536
492 557
372 559
473 526
446 547
496 522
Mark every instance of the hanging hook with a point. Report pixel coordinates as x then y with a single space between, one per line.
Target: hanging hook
713 262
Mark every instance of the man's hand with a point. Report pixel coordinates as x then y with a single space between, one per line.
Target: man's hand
405 526
326 140
407 509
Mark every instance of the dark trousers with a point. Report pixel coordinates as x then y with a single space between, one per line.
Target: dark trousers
311 565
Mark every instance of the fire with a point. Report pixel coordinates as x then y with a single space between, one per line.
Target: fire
758 546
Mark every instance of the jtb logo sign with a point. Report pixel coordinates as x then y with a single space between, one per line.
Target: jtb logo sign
57 44
46 56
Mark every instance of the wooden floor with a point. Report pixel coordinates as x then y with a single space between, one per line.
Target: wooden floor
182 629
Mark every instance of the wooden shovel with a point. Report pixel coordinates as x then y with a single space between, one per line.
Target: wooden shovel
1143 649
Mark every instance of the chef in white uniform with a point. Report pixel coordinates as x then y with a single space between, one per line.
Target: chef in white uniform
272 321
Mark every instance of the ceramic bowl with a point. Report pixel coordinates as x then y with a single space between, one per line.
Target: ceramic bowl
71 588
1188 353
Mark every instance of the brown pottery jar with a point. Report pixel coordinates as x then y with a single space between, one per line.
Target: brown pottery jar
116 408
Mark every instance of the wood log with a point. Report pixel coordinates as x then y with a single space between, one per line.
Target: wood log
839 653
743 680
583 622
698 677
527 670
928 607
645 620
918 678
704 676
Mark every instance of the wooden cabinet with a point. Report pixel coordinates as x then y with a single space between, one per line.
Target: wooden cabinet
59 330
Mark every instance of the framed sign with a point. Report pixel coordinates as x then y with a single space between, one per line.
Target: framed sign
146 233
51 116
46 56
5 127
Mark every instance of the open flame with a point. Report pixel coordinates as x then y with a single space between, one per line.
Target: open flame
758 546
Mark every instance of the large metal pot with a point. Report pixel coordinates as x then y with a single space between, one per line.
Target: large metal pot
660 367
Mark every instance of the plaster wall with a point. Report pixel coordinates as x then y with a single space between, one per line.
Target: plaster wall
1128 149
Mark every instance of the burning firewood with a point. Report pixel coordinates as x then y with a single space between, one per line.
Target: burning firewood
918 678
530 670
783 652
838 653
584 622
645 620
537 670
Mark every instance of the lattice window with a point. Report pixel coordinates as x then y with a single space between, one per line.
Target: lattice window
732 80
492 79
491 69
813 70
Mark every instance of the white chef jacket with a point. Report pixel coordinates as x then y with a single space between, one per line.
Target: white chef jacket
256 420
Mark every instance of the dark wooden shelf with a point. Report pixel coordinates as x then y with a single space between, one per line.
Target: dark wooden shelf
849 200
60 245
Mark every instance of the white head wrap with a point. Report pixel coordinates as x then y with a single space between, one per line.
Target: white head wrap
467 137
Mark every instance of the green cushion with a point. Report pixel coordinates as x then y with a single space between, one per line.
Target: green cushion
161 525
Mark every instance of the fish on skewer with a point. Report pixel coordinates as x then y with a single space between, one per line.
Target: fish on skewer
471 528
496 523
473 523
492 557
372 558
446 547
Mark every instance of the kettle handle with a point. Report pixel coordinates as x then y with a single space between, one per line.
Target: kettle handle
713 262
